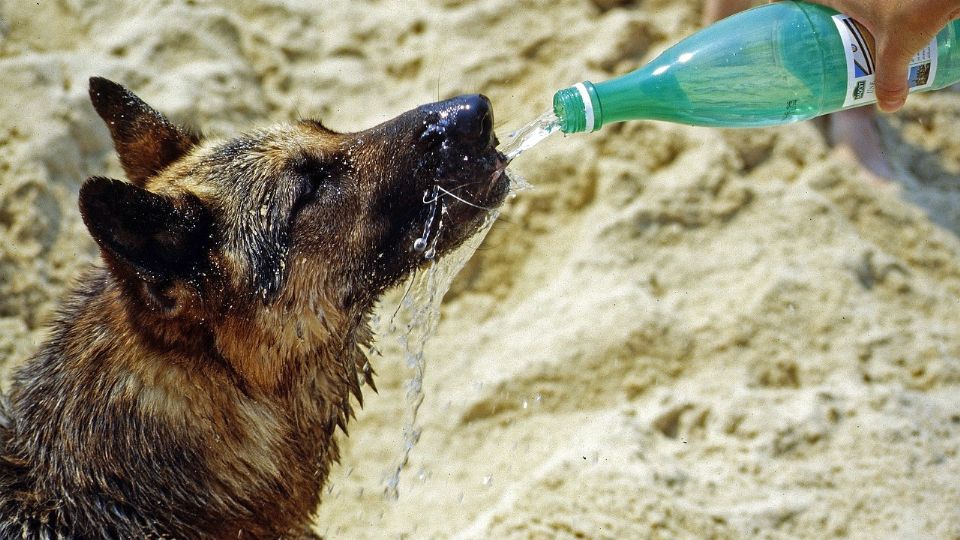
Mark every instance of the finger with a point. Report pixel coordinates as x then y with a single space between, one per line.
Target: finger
891 75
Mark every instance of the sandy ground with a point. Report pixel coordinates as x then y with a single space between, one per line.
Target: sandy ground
679 332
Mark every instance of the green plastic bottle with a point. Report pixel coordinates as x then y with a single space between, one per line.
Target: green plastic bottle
774 64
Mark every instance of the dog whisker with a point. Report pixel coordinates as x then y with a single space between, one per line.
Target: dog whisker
464 201
465 185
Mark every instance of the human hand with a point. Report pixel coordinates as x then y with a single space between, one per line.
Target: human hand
900 28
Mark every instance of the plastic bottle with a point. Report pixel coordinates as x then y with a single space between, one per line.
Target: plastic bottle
774 64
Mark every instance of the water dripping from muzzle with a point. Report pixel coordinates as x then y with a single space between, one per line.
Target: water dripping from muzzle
423 244
413 323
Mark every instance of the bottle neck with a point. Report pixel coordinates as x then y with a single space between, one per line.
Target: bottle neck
578 108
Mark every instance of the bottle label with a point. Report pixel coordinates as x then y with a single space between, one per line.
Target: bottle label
860 50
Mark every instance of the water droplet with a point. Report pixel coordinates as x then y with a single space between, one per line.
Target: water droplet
488 480
420 244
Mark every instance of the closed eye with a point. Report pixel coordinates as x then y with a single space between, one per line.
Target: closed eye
320 181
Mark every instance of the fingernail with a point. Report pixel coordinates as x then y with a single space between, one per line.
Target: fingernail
891 105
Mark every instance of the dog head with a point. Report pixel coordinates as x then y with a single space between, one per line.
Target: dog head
292 214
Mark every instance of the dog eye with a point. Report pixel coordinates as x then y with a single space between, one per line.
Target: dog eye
318 180
315 178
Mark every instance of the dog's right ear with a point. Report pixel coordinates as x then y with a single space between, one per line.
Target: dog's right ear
145 140
156 238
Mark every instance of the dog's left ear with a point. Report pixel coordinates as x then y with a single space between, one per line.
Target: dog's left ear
156 237
145 140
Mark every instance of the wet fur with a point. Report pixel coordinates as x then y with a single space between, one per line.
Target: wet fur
194 379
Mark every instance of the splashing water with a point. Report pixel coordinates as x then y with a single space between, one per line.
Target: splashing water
414 323
529 135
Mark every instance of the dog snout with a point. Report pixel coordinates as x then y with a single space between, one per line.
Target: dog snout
464 120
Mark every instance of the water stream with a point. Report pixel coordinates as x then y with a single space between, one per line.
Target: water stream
528 136
414 322
416 319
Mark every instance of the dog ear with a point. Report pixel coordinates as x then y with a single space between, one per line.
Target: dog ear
156 237
145 140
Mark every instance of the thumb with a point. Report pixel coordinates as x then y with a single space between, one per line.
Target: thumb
891 75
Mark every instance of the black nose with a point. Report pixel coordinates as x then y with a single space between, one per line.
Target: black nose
465 119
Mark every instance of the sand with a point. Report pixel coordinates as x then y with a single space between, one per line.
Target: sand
678 332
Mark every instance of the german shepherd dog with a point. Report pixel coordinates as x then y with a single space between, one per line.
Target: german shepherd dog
194 379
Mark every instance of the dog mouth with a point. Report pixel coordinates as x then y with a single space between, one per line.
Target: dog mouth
461 175
454 209
459 139
487 191
499 177
474 183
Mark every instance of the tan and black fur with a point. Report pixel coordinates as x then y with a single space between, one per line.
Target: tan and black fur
194 379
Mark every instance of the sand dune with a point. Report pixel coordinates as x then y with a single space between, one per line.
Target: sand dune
678 332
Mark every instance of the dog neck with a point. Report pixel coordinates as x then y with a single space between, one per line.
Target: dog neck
255 399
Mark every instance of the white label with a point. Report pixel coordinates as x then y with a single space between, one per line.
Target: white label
860 51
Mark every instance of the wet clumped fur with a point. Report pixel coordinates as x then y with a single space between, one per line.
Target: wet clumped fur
195 377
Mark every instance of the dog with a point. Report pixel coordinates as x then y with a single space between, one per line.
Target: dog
195 377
